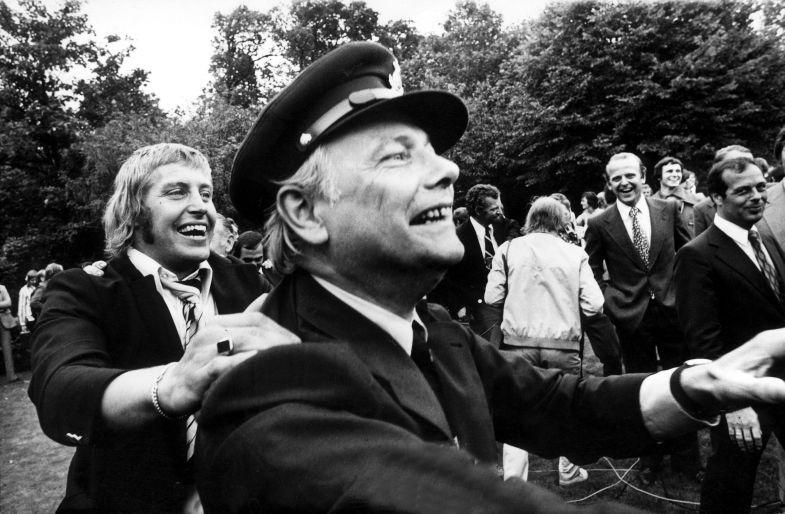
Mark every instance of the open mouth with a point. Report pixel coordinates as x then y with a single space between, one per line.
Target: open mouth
433 215
193 231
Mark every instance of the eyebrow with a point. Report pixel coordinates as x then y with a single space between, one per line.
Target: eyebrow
167 185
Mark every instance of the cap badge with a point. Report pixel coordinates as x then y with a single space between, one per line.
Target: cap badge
395 77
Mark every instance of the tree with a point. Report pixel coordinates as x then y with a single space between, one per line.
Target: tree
44 112
671 78
257 53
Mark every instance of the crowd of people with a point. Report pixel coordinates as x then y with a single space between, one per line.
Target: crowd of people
203 370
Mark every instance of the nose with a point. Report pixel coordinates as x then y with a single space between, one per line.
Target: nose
442 172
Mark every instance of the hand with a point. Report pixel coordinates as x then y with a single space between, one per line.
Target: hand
96 269
740 377
183 386
744 428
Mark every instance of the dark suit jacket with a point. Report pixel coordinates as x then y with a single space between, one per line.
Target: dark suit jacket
631 286
91 330
722 298
464 283
346 421
773 222
704 212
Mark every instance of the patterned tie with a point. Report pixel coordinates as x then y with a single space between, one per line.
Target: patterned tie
190 294
489 250
766 266
638 239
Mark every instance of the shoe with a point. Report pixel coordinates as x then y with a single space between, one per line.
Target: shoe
569 473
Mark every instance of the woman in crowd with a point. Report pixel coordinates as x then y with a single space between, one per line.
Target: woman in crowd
544 284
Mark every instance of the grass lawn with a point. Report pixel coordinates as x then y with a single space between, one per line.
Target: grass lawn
33 468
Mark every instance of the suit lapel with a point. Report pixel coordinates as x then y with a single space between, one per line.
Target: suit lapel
659 228
474 254
229 296
727 251
152 309
617 231
463 396
774 215
387 361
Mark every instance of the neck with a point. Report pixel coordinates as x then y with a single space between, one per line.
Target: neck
667 190
395 293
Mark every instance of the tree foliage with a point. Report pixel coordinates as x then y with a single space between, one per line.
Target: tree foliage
56 84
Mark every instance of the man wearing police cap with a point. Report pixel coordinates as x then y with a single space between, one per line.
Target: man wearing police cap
389 405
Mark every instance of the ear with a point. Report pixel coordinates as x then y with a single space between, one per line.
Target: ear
717 199
299 212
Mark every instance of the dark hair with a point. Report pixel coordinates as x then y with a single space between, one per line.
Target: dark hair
591 199
663 162
720 154
715 184
248 239
779 144
475 196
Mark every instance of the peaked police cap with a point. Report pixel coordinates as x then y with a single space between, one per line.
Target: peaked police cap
359 79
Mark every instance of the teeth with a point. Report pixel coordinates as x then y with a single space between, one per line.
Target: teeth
193 230
434 215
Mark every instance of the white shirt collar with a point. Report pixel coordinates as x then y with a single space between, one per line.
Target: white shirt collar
400 329
739 234
149 266
625 209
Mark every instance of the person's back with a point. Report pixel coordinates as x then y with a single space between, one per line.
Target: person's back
546 277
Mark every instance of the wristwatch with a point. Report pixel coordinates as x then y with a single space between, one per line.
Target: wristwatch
693 408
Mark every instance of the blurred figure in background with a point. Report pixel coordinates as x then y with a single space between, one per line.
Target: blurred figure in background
36 299
225 235
7 322
25 314
460 216
544 284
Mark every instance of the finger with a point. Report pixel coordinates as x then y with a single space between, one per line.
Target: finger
100 264
256 305
223 363
247 339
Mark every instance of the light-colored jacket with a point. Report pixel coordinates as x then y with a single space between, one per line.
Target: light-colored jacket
546 285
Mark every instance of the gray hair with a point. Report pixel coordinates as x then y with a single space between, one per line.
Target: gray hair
545 215
316 179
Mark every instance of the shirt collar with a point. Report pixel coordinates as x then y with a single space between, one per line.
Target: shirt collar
478 227
625 209
733 231
149 266
400 329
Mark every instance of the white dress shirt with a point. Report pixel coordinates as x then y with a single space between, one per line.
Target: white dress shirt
644 219
480 231
400 329
148 266
740 236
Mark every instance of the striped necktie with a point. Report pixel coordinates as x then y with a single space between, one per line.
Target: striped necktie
766 266
190 295
489 250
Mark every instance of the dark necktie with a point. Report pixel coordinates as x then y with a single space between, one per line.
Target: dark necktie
421 355
638 239
489 250
190 294
766 266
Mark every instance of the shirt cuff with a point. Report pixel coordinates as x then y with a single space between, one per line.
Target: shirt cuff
662 415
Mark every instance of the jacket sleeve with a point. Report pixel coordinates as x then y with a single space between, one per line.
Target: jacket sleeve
596 251
590 295
496 288
70 361
681 233
315 441
697 304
